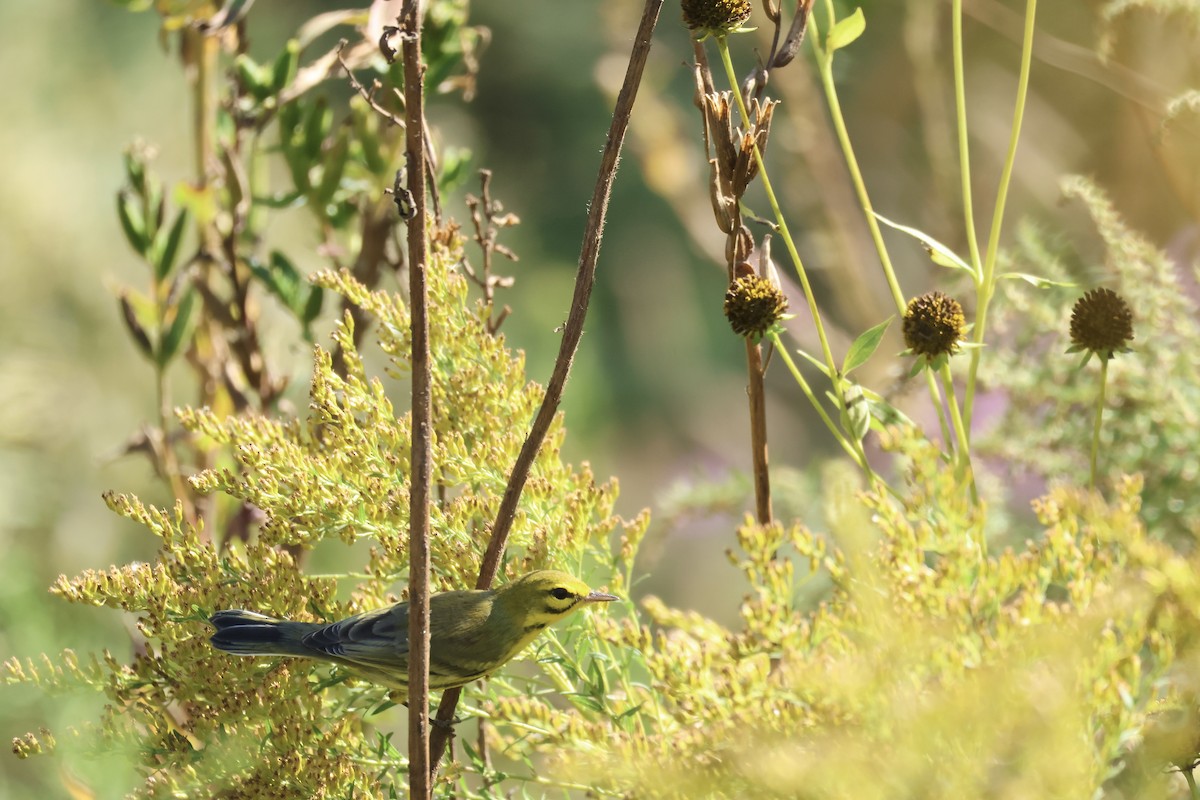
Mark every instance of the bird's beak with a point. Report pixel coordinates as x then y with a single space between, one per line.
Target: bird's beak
599 597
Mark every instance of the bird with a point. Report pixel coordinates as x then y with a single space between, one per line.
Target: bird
472 633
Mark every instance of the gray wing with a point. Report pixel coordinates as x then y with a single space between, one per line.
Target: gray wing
376 638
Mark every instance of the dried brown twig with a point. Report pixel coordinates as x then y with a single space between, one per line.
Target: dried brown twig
489 217
420 773
585 279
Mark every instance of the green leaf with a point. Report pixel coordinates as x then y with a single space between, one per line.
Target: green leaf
166 245
884 413
333 165
135 170
455 168
854 412
201 203
1036 280
939 253
812 360
846 31
282 279
629 711
133 322
312 308
366 131
282 200
133 223
284 70
254 77
316 127
379 709
181 326
582 701
864 347
919 363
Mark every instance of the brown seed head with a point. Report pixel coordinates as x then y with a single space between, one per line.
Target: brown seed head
715 17
1101 323
933 325
753 304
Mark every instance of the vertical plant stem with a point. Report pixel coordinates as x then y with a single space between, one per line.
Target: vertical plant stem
199 56
988 275
1099 417
755 388
784 233
756 391
169 459
420 773
964 152
200 59
825 68
963 451
585 279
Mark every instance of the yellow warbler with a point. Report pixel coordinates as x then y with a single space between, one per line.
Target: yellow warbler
471 633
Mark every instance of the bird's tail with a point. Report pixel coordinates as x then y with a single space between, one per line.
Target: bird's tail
246 633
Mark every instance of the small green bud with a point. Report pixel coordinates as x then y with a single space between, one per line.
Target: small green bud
855 412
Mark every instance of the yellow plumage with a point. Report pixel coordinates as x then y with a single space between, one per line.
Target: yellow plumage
472 633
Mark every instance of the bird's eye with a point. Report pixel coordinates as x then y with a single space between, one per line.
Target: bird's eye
560 593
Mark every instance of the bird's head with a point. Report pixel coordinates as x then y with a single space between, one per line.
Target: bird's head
542 598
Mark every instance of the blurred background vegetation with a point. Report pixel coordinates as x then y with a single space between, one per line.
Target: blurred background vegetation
657 395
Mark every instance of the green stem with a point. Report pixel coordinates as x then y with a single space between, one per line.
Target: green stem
1191 782
1099 417
784 233
964 153
825 67
854 449
931 382
987 284
963 442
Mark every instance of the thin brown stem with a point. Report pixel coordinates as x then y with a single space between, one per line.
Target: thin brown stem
420 774
756 391
585 279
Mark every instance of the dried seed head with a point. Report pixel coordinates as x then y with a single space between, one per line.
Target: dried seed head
933 325
714 17
752 305
1101 323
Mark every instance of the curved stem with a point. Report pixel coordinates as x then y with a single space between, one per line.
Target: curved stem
987 283
964 152
963 441
825 68
854 449
947 437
